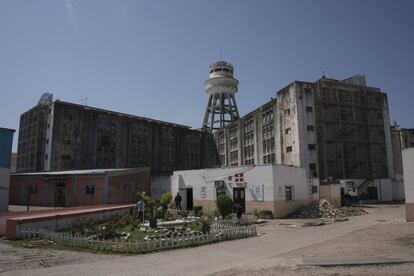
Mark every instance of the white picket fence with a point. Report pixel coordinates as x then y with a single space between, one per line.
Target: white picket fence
219 232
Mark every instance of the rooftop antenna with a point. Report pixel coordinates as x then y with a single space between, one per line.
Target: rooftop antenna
84 101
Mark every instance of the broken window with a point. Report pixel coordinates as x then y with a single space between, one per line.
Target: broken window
288 193
89 189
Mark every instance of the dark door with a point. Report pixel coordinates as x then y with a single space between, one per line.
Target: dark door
239 197
60 195
189 198
372 193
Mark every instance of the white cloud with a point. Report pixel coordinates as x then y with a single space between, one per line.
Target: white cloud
70 11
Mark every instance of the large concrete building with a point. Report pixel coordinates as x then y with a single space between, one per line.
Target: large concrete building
6 141
332 128
57 136
402 138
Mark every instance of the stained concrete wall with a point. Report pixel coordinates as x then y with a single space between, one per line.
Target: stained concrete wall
332 193
160 184
72 137
408 165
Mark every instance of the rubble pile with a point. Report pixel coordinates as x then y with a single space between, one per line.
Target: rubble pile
324 209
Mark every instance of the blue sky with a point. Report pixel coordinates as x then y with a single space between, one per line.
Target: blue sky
150 58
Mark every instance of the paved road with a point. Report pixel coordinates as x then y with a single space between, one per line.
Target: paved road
257 251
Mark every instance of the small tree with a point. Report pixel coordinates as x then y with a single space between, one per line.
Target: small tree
165 200
150 208
224 205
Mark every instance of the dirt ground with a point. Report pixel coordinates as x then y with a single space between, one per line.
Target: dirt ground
17 258
397 269
384 240
388 236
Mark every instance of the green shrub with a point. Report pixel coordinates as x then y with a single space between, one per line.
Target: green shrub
265 214
205 226
198 210
224 205
166 199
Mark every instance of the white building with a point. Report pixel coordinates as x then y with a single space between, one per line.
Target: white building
278 188
408 165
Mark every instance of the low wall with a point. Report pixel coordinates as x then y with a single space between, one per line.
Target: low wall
409 211
62 220
284 208
331 193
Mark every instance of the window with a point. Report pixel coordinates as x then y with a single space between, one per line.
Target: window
311 128
309 109
313 170
288 130
34 189
46 156
312 146
65 157
314 189
89 189
287 112
308 90
288 193
220 187
289 149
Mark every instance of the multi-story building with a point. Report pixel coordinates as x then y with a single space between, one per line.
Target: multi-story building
6 141
402 138
57 136
332 128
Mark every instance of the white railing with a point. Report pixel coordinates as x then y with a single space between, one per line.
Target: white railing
219 232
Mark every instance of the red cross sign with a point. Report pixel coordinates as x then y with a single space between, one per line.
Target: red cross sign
239 177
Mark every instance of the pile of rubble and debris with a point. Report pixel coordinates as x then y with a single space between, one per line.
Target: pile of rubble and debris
324 209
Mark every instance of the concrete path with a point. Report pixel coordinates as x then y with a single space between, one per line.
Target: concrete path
259 251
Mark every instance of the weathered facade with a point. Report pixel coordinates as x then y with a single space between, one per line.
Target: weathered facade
332 128
58 135
402 138
79 187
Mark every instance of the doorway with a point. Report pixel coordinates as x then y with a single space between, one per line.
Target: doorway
189 194
60 195
239 197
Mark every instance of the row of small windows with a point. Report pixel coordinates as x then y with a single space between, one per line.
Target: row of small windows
307 108
310 147
221 70
89 189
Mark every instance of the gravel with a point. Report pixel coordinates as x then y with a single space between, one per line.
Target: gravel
324 209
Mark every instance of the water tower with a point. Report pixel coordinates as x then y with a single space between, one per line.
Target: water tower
221 87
